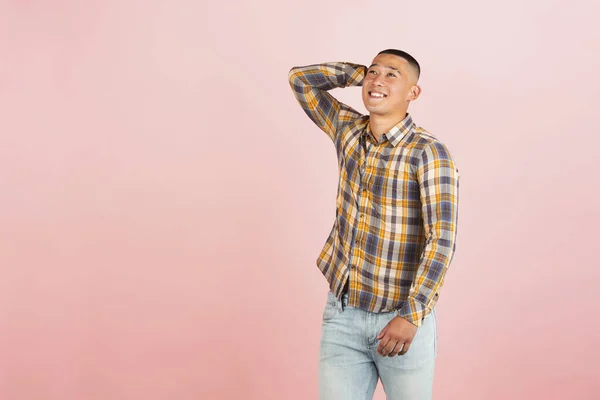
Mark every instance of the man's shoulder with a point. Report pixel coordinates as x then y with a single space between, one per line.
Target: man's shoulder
424 141
421 139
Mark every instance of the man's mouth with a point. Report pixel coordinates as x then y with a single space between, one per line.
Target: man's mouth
377 95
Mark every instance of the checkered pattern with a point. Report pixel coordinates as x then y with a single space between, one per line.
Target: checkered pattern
394 235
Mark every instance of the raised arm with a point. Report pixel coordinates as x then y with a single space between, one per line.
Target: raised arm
438 182
310 85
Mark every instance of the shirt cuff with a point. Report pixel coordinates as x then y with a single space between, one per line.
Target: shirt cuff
413 311
354 74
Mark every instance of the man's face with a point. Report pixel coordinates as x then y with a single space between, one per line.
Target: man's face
389 85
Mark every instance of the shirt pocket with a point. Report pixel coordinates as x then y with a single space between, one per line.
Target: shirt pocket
396 200
388 203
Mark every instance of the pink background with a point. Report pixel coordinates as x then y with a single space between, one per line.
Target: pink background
164 198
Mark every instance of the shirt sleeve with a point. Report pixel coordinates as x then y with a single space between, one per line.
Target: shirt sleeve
310 85
438 179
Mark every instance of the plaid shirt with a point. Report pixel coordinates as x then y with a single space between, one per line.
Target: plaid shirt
394 234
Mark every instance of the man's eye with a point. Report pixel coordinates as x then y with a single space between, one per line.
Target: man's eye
391 74
372 72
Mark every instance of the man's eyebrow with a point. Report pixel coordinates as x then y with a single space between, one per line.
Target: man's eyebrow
387 66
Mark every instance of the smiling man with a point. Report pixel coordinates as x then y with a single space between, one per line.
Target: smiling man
394 234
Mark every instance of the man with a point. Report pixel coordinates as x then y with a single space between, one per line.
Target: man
394 233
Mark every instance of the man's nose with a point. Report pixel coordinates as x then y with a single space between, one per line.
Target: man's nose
378 80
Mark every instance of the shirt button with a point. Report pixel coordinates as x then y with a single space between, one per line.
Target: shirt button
362 216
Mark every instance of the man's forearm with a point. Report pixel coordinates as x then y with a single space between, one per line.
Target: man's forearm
429 279
327 76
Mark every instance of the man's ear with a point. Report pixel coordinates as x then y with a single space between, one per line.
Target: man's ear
414 93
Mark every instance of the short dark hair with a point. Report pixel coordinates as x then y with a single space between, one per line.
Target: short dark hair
402 54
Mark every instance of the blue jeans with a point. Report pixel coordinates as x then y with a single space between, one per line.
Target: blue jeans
349 365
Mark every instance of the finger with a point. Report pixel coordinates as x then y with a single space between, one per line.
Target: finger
382 344
383 331
389 348
405 348
397 349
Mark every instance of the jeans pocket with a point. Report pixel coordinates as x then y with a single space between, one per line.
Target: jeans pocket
331 307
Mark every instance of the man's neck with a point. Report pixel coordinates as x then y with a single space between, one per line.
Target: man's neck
380 124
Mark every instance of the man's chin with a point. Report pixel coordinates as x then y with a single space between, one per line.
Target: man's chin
372 109
375 110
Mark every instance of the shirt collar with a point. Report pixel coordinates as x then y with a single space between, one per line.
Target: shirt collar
397 132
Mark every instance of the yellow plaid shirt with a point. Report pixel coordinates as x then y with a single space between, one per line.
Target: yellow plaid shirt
394 234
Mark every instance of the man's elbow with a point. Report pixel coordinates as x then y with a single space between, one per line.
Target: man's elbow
294 75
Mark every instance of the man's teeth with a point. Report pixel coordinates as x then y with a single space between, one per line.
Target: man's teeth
377 94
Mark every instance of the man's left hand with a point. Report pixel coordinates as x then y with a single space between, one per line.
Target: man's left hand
396 337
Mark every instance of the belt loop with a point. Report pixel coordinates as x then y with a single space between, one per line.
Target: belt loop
343 299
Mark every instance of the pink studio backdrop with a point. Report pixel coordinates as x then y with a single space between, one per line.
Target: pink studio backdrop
164 198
